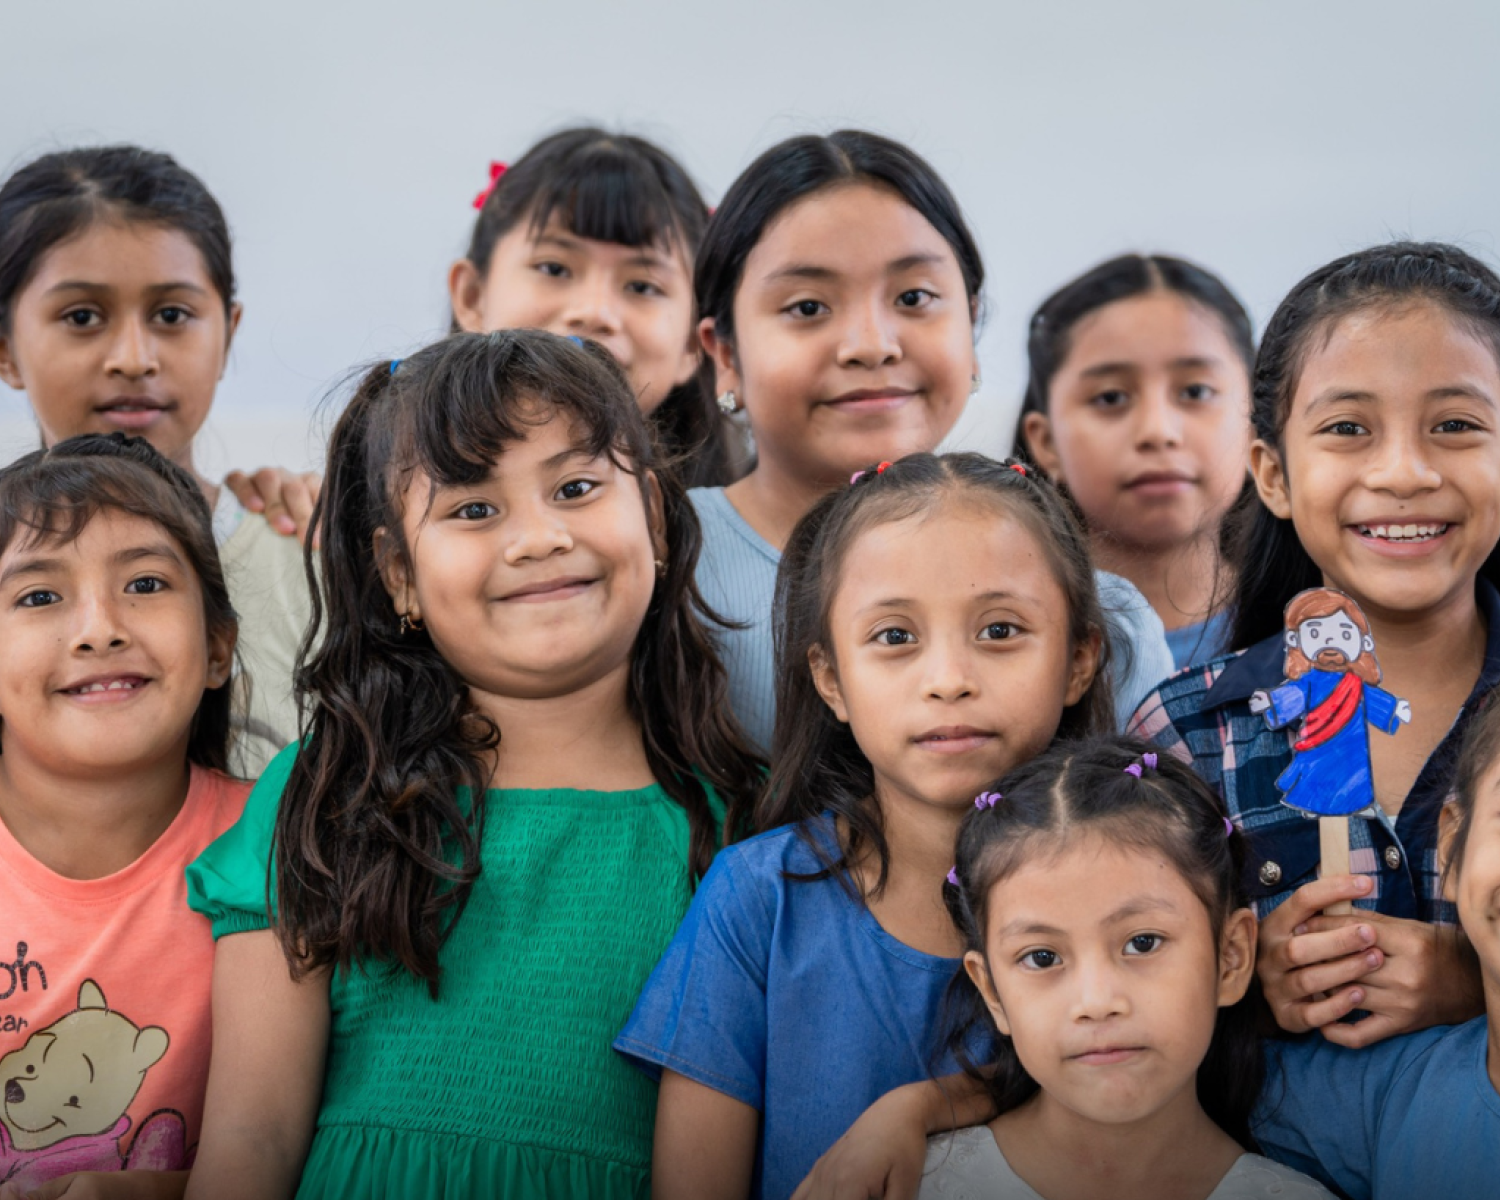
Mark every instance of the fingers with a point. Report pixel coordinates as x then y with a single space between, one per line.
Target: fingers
1321 945
1359 1034
275 487
1329 976
249 497
1329 1010
1311 899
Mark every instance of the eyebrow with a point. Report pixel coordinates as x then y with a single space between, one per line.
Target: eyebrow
130 554
906 601
1126 911
1191 363
813 271
644 256
84 285
1453 391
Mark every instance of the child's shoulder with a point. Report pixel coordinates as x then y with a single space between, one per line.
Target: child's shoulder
221 797
785 848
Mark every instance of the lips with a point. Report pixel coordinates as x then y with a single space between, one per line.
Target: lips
863 400
954 739
1107 1056
1161 482
132 412
564 587
105 688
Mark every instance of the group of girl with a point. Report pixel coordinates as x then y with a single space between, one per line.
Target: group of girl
675 776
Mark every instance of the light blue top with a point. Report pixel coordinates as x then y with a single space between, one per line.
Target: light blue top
737 576
1405 1119
790 997
1199 642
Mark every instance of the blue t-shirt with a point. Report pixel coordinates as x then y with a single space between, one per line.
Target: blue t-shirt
789 997
1200 641
1406 1119
737 576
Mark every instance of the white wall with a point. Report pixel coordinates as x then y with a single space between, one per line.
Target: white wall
346 141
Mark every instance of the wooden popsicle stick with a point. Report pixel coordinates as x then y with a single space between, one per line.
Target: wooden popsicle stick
1333 841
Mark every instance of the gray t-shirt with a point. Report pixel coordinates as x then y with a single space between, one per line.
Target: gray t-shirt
967 1165
737 576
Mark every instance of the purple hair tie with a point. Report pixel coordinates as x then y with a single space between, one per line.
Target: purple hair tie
953 876
1228 827
1149 758
987 799
856 477
1146 761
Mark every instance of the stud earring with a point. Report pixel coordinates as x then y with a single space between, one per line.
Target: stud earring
661 566
974 383
728 403
411 624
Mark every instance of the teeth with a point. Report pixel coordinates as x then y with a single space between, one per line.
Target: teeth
1404 533
117 685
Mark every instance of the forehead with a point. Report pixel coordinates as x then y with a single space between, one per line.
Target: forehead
1145 330
965 545
557 235
107 529
123 254
853 229
1397 352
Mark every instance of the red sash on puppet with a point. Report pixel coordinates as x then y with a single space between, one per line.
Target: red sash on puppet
1325 721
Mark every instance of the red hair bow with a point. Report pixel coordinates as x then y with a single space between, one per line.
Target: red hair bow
497 169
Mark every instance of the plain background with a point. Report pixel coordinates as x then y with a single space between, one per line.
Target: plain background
346 141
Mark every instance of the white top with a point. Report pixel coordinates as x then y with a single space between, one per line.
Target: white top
967 1165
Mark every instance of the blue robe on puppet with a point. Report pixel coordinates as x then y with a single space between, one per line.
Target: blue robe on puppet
1329 775
1331 685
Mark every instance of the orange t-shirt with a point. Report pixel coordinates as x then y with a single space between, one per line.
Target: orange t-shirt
104 1003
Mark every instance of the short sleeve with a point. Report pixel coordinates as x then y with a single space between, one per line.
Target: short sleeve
1321 1104
1140 657
227 882
703 1011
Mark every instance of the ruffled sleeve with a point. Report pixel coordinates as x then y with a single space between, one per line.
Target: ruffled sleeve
227 882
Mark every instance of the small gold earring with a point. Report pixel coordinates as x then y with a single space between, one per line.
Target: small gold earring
411 624
661 566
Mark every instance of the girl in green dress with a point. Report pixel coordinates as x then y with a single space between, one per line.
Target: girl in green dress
438 909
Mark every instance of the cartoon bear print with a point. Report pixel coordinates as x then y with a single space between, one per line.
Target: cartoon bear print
66 1092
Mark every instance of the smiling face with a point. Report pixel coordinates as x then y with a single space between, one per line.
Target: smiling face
950 657
1474 882
1102 966
1148 421
120 329
1390 460
104 649
853 335
635 301
533 583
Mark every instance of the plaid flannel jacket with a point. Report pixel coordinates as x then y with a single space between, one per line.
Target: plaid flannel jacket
1202 715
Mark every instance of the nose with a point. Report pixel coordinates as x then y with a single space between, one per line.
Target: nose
99 626
1098 994
1158 420
535 533
593 307
1400 464
868 336
132 350
949 673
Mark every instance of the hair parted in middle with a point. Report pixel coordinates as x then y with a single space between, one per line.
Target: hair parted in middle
376 848
817 766
1087 787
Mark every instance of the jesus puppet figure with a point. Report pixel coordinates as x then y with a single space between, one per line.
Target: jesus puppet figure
1331 675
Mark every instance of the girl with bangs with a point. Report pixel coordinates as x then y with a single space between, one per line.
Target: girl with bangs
439 909
594 235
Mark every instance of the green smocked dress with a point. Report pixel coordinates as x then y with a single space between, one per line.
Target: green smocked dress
506 1084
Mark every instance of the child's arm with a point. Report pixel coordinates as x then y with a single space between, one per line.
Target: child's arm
705 1142
884 1151
265 1080
284 498
1316 970
104 1185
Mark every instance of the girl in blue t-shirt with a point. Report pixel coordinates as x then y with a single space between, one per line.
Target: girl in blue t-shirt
1416 1115
937 626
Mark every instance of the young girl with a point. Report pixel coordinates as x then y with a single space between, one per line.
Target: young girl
839 289
938 627
117 310
1417 1115
116 639
593 234
1108 940
1377 463
512 775
1138 404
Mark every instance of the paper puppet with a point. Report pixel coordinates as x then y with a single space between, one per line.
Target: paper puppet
1331 678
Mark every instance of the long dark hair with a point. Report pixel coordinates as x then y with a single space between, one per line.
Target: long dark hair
52 495
377 847
1270 563
1050 335
798 167
59 195
613 187
817 766
1168 810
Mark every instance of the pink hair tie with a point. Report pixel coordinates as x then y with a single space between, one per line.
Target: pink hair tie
856 477
497 169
